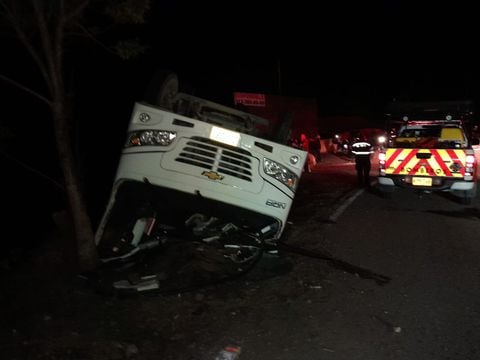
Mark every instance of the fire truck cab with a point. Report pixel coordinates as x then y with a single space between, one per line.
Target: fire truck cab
430 150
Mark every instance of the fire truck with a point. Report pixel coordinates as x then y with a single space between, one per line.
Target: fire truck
429 149
195 171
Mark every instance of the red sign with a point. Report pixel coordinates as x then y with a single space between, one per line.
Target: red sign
249 99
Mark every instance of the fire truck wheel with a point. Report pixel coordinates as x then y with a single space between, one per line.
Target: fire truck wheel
385 192
387 195
468 196
162 89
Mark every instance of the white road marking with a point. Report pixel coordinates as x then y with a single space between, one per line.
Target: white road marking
341 208
339 211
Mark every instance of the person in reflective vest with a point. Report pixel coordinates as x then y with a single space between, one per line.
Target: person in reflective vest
362 149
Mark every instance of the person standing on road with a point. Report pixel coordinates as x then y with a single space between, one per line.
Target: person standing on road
305 145
362 149
315 147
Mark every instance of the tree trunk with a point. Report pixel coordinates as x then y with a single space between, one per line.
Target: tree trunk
87 257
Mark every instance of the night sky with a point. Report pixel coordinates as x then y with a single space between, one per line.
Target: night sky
350 55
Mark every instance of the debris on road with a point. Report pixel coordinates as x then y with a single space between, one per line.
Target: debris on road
339 264
229 353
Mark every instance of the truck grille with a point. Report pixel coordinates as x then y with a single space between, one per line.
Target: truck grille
215 156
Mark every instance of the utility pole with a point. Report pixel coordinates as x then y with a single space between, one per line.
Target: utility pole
279 77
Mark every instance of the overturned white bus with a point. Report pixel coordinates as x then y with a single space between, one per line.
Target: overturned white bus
198 171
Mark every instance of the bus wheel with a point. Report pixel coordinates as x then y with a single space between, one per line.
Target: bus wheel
162 89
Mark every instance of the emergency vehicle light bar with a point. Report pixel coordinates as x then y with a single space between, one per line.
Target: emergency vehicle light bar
443 122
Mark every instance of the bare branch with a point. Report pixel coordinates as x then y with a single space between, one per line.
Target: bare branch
5 8
24 39
44 36
77 10
26 89
59 33
33 170
95 40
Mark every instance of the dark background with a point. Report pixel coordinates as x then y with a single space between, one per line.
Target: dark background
353 57
345 53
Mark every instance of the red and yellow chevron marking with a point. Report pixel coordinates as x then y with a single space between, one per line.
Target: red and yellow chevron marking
442 162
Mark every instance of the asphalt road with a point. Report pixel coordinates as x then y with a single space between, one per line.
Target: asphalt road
360 277
426 245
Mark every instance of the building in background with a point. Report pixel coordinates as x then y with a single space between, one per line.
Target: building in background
291 116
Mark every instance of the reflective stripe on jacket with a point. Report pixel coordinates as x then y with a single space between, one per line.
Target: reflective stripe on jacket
362 148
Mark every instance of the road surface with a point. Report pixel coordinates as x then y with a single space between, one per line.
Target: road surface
377 279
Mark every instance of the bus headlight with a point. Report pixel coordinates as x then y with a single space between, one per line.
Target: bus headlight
280 173
150 138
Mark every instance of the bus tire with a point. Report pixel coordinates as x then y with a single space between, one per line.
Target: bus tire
162 89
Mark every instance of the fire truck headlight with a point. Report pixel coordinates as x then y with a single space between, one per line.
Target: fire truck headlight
280 173
381 139
150 138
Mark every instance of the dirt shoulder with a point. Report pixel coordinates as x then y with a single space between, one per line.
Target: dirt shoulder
47 314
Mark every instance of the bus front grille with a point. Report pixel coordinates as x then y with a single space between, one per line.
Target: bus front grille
216 156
